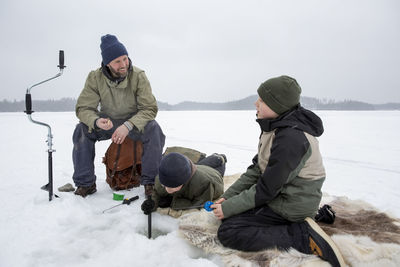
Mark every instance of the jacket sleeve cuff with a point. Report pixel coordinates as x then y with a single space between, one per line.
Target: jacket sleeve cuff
92 123
128 125
95 124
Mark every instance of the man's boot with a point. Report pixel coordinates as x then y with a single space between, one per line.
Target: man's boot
148 189
83 191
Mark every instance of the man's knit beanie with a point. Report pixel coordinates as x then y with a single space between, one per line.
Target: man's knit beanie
175 170
111 48
280 93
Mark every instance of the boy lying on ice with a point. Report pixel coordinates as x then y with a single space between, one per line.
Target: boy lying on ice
181 184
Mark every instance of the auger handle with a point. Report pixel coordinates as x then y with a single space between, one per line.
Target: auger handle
61 60
28 104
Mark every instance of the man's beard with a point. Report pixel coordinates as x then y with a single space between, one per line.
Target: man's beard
118 74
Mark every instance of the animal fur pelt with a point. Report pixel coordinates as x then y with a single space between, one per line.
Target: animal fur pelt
364 235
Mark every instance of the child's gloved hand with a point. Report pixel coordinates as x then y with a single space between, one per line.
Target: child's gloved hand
165 202
148 206
326 215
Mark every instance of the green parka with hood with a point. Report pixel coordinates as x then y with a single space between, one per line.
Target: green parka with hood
128 99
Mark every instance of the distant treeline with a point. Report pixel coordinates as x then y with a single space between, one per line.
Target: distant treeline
68 104
64 104
307 102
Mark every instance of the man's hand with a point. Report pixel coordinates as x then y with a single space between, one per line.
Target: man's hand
148 206
103 123
217 208
119 135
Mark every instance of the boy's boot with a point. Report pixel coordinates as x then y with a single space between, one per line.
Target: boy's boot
222 157
322 245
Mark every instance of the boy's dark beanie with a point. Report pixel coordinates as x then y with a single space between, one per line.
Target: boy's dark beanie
111 48
280 93
175 170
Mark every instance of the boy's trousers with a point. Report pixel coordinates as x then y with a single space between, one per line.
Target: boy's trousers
262 228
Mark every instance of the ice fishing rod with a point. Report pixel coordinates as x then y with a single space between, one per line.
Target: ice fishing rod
125 201
28 104
206 206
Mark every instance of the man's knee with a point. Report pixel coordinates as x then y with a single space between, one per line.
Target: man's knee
153 130
79 133
152 126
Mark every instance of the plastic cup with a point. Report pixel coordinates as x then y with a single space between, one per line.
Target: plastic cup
118 196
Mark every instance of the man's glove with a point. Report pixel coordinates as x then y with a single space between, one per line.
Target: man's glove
148 206
148 189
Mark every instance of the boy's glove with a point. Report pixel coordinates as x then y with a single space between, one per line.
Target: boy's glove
148 206
326 215
165 202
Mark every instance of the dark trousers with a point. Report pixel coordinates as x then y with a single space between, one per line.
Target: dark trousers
83 153
262 228
214 161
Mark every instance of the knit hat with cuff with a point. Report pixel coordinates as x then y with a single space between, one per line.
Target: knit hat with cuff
280 93
111 48
175 170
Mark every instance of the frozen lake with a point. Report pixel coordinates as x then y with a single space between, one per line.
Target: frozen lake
360 150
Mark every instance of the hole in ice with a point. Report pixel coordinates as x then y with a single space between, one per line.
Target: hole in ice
154 232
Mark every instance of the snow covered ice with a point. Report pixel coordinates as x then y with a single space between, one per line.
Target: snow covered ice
361 155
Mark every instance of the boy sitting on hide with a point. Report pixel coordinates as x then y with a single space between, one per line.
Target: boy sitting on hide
270 205
181 184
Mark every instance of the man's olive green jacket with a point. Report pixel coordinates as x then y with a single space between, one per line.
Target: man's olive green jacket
130 99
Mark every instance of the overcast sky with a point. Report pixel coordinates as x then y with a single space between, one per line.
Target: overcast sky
207 50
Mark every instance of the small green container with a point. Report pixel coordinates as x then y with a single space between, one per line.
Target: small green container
118 196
